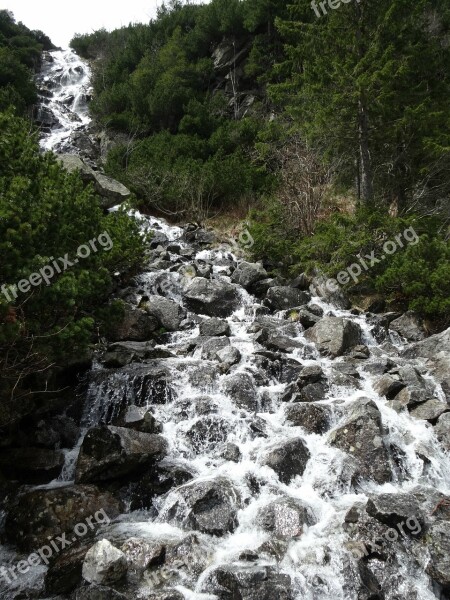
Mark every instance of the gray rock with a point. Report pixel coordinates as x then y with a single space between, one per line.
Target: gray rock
136 326
395 509
214 327
207 506
442 430
104 564
284 298
112 192
38 515
169 313
362 437
438 567
73 163
408 326
430 410
231 452
334 335
319 288
388 386
242 391
288 459
229 356
121 354
314 418
211 297
248 583
211 347
141 554
98 592
247 274
109 453
285 518
206 433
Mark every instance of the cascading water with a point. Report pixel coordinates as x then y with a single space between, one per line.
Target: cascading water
222 417
64 89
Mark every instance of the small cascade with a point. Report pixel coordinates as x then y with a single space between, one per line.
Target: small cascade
64 91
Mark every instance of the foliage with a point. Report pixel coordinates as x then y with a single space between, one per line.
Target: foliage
45 213
20 54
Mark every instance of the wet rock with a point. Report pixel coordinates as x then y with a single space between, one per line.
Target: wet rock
197 235
247 274
362 437
112 192
249 583
284 298
396 509
303 316
139 419
121 354
211 347
141 494
408 397
314 418
229 356
242 391
98 592
207 506
337 298
231 452
190 555
436 352
104 564
31 465
38 515
141 554
280 343
409 326
64 572
207 433
169 313
438 567
109 453
73 163
333 336
388 386
430 411
214 327
442 430
285 518
136 326
211 297
288 459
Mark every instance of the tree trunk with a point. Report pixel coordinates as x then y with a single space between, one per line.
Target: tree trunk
364 154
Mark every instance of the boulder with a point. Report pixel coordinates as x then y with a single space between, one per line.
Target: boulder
442 430
121 354
207 433
241 389
438 567
231 453
207 506
169 313
109 453
104 564
285 518
388 386
248 583
333 336
211 347
73 163
40 514
141 554
284 297
214 327
64 571
31 465
213 298
229 356
362 437
320 288
313 418
395 509
139 419
112 192
430 410
409 326
288 459
247 274
136 326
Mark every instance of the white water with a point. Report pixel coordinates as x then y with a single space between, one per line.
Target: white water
68 78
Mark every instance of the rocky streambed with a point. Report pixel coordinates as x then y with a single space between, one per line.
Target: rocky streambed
241 437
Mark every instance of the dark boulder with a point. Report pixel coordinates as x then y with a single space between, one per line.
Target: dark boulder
214 327
313 418
285 518
333 336
213 298
284 298
250 583
288 459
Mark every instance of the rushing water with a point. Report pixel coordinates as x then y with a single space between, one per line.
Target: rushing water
65 88
317 561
